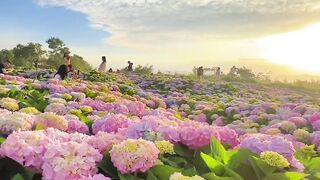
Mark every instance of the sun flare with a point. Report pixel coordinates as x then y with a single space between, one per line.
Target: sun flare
299 49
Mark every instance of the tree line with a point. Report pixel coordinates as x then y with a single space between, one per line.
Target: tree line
23 55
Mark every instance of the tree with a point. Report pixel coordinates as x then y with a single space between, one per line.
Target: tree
6 54
25 54
80 64
58 48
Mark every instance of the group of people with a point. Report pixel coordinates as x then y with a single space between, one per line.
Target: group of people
103 66
200 72
66 69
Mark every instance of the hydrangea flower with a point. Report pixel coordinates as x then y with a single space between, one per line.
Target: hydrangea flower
57 100
86 109
27 148
50 119
78 96
14 122
288 127
67 97
110 123
30 110
75 125
298 121
274 159
259 143
4 90
301 135
104 141
314 117
95 177
179 176
200 118
70 160
136 108
132 156
196 135
57 108
9 104
165 147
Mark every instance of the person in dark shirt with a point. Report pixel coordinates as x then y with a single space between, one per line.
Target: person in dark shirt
3 65
130 66
62 72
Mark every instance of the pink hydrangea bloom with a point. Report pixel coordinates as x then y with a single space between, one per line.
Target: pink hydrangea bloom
110 123
70 160
316 126
218 122
104 141
75 125
98 105
298 121
27 148
197 135
315 139
120 109
200 118
134 156
95 177
228 136
136 108
314 117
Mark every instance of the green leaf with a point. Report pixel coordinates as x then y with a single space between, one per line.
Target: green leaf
181 162
232 173
264 167
163 172
86 120
286 176
190 172
167 161
212 176
214 165
2 140
237 157
314 165
107 166
305 154
39 127
183 151
151 176
17 177
218 151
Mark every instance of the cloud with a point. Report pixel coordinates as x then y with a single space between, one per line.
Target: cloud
141 23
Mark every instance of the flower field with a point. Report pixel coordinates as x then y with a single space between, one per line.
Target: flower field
158 127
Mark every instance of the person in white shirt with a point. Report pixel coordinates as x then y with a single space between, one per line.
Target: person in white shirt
103 65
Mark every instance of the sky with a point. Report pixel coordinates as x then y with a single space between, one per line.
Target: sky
171 35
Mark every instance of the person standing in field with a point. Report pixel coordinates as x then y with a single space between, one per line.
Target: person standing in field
218 73
103 66
130 66
200 73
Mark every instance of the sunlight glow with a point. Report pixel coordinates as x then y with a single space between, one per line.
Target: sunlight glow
299 49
